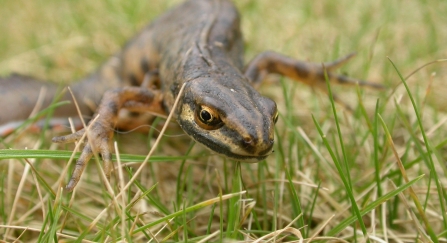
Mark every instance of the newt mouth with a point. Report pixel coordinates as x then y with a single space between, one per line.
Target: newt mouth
246 158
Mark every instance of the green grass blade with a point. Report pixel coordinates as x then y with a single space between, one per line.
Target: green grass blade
363 109
348 221
296 204
343 178
42 234
405 177
429 150
180 186
193 208
65 155
234 204
345 175
376 150
56 215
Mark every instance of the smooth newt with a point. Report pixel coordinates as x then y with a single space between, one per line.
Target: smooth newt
199 44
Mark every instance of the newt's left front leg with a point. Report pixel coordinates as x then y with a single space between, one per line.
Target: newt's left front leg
306 72
100 132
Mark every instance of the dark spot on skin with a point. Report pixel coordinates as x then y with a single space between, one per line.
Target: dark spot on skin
134 114
113 107
271 66
133 80
144 65
144 96
301 72
175 89
254 75
81 162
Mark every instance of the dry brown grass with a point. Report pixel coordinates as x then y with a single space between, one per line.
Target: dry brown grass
62 41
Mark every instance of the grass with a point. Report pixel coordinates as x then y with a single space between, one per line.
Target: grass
377 174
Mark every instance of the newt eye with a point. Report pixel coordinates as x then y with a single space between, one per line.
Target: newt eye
275 117
207 118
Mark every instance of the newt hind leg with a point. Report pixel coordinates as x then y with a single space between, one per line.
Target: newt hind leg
139 121
311 74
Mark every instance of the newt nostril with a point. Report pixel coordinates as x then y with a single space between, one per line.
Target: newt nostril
248 141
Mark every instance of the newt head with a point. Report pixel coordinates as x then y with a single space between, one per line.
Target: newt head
235 122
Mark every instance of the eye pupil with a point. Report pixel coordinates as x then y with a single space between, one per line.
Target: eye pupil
206 116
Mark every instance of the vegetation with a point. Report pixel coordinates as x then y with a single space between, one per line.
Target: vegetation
376 174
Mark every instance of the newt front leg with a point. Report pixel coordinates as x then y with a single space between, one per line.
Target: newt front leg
311 74
100 133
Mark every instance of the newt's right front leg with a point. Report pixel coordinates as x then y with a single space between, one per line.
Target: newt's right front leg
100 133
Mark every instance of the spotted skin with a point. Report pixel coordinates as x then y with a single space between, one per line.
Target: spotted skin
197 44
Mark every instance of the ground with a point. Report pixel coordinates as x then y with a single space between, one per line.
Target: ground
61 41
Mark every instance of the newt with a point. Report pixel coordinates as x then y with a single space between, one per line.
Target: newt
197 44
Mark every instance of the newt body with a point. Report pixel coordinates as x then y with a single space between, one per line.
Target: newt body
197 44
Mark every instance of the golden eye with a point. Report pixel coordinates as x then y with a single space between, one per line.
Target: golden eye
275 117
207 118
